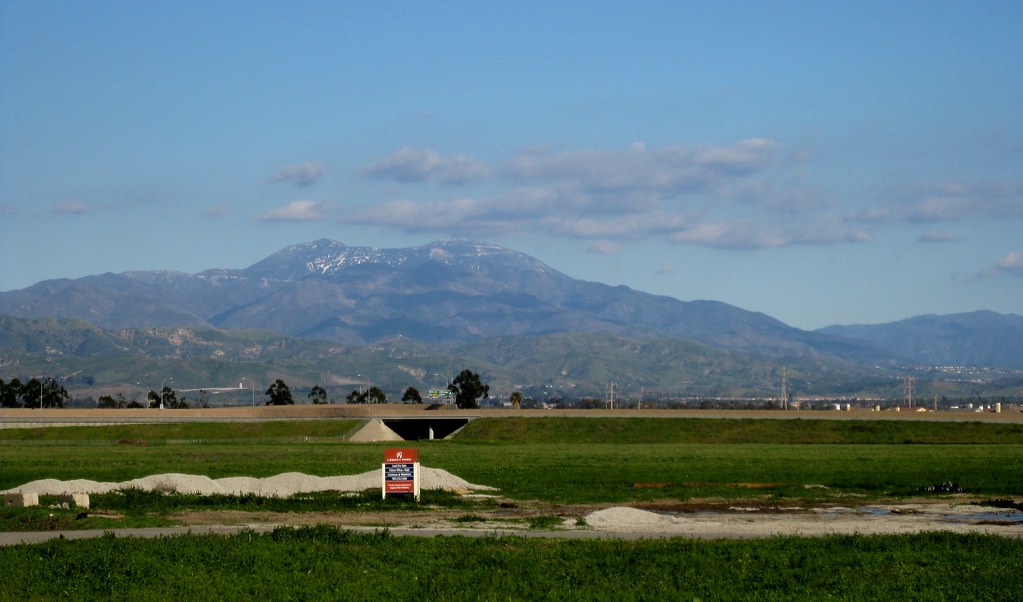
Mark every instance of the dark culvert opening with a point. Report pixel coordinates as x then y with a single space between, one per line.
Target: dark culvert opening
418 429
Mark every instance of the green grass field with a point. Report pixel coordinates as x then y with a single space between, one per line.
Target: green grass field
734 431
326 563
565 460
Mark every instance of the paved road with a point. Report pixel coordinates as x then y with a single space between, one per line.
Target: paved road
23 418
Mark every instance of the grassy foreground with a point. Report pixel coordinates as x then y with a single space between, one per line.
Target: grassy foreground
326 563
561 460
565 460
734 431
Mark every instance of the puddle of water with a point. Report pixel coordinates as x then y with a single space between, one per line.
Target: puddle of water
1010 517
1003 517
875 511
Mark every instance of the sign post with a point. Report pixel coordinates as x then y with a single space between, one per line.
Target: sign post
400 472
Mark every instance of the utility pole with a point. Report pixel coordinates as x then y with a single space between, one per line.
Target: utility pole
611 395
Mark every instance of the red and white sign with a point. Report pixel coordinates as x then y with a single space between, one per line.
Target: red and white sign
400 472
402 455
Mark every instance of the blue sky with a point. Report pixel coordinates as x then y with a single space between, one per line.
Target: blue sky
821 162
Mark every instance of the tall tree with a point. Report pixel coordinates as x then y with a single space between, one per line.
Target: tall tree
371 395
51 394
516 399
32 393
10 392
168 398
376 395
279 393
318 395
468 389
412 395
357 396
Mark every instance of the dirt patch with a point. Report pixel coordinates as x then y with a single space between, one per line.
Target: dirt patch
704 518
700 485
769 521
504 516
693 520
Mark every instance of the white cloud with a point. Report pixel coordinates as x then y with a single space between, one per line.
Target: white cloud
502 216
622 227
1010 264
519 210
949 201
731 235
605 247
937 209
742 157
297 211
421 164
666 269
416 217
674 169
744 195
299 174
872 215
790 196
72 208
220 210
938 236
758 235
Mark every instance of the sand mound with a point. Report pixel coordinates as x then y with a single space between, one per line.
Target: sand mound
633 520
282 485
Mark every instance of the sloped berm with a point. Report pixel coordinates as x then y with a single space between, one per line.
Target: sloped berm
409 429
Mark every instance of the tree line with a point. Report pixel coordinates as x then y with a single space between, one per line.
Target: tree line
36 393
466 389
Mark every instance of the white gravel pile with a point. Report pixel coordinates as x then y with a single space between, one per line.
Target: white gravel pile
633 520
282 485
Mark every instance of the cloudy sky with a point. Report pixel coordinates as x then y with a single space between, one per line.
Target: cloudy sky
821 162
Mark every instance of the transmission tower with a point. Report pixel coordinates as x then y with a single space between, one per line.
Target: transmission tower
784 389
611 395
910 381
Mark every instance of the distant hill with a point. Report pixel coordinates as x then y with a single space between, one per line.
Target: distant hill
94 361
980 338
444 292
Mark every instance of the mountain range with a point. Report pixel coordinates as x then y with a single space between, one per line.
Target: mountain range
979 338
442 292
461 293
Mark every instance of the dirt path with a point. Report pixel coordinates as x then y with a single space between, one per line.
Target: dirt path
632 522
590 522
705 519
